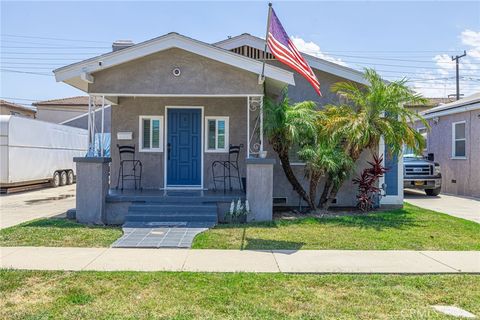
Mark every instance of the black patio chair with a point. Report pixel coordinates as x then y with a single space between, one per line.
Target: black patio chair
223 169
127 160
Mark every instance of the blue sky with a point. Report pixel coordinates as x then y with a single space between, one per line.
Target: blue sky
412 39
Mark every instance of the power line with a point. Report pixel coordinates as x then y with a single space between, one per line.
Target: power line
56 53
22 99
388 51
26 72
48 38
395 59
53 47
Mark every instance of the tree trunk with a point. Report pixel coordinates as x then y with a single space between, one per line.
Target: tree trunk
314 178
332 195
325 192
287 169
333 192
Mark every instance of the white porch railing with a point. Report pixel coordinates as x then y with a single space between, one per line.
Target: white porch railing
254 125
93 106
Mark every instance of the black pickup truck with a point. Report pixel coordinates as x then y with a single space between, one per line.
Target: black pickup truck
422 173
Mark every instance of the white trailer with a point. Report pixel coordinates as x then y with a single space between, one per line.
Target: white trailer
34 151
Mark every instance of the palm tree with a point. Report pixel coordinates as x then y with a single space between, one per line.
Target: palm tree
371 112
323 158
286 125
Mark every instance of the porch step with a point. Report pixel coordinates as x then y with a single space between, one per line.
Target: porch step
171 214
173 208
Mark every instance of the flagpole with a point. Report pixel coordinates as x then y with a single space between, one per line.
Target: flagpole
262 76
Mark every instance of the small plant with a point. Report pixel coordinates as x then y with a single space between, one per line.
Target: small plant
367 189
238 212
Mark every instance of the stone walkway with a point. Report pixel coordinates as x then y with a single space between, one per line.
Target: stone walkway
288 261
180 236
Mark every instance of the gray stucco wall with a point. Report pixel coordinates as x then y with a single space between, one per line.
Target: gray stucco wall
125 117
465 172
153 74
300 92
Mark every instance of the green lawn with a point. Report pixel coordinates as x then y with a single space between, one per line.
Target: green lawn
410 228
136 295
57 232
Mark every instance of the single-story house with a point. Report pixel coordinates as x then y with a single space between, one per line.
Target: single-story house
429 104
181 102
14 109
454 141
63 110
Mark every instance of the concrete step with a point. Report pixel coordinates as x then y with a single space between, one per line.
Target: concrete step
172 213
161 209
171 218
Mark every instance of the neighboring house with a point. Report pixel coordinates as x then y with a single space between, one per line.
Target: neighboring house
61 110
431 103
454 141
181 102
13 109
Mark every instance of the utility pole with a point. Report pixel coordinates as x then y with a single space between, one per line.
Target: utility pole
456 58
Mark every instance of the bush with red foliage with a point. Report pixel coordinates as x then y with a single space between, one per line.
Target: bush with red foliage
367 189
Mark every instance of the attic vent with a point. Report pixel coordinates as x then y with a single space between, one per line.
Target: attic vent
121 44
253 53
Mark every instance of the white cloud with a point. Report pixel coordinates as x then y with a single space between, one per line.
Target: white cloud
470 38
313 49
441 82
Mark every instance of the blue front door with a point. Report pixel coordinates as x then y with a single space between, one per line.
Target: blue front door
184 147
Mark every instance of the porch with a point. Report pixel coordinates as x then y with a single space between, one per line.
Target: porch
167 218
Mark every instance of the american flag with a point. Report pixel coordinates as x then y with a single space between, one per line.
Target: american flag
285 51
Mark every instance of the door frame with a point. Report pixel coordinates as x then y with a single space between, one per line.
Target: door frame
165 141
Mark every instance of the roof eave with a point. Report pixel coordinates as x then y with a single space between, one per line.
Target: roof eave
315 62
172 40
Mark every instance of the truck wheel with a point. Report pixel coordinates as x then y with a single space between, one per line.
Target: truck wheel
55 180
70 177
63 178
433 192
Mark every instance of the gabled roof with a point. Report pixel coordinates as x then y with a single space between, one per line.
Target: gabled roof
79 74
466 104
70 101
314 62
16 106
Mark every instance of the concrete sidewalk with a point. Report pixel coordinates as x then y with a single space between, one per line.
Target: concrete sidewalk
304 261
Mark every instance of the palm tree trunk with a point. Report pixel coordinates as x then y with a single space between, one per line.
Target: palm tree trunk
326 190
333 192
314 178
287 169
332 195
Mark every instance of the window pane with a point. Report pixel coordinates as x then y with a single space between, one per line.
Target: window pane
221 141
211 134
155 133
146 134
221 134
460 131
460 148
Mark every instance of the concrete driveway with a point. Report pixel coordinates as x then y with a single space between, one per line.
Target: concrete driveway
25 206
461 207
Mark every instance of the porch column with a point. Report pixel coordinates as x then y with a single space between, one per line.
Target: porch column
92 189
260 188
